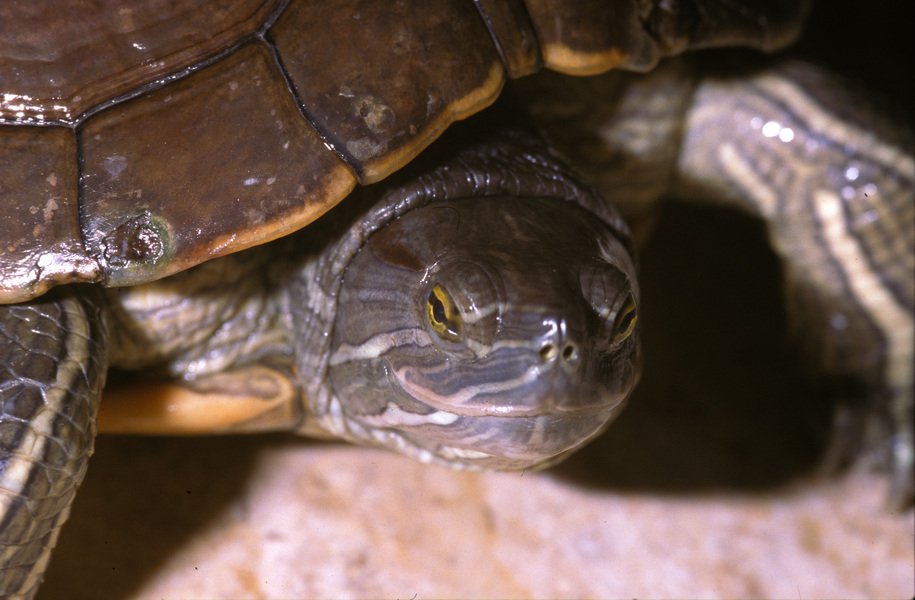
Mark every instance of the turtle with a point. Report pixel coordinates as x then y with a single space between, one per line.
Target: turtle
478 307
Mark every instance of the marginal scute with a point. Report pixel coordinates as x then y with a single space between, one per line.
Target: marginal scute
40 241
513 32
588 37
395 81
764 24
218 171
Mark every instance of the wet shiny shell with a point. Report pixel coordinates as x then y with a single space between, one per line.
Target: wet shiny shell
138 139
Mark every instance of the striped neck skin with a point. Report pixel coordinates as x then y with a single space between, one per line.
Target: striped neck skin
495 332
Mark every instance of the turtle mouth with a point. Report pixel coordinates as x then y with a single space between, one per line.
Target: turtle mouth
519 422
528 395
507 440
504 443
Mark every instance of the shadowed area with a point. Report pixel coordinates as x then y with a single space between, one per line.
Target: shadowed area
145 497
724 402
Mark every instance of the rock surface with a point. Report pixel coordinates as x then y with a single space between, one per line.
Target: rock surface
278 518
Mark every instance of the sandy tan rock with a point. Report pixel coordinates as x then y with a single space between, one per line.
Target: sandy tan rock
309 520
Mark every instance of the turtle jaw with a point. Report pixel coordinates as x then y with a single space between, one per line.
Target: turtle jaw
540 416
526 412
482 442
531 420
505 443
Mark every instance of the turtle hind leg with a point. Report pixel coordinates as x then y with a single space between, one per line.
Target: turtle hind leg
53 360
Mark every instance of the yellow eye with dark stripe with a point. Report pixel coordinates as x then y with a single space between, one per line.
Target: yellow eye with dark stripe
443 314
624 323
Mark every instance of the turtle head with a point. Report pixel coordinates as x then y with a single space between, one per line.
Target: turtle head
496 332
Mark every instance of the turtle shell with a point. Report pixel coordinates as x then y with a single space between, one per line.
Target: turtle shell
138 139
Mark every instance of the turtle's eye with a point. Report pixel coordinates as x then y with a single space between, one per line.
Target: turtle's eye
624 322
443 314
463 308
611 295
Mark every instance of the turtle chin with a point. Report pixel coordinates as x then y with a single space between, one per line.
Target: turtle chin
524 411
532 415
508 443
532 434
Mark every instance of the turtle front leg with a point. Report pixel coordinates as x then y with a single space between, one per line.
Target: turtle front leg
53 360
834 179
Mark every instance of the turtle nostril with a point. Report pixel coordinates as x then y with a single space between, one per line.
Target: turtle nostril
570 353
548 351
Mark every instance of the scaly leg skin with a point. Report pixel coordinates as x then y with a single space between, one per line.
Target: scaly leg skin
53 359
834 180
832 176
